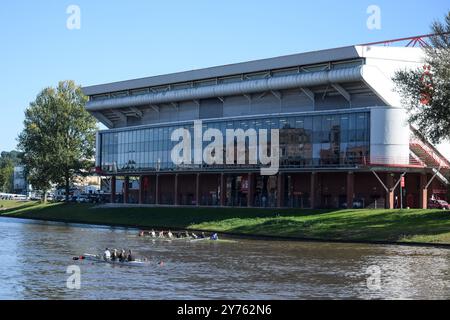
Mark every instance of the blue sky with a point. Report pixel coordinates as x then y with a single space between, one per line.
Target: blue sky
121 40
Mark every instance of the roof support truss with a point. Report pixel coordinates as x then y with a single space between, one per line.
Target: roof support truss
119 114
277 94
249 97
137 112
309 93
108 123
155 108
262 95
342 91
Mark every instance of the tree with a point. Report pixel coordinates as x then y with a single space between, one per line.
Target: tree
39 176
6 176
58 137
8 160
426 91
14 156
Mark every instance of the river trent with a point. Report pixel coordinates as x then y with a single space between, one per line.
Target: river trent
35 256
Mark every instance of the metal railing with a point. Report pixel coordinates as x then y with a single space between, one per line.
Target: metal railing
286 164
426 151
405 162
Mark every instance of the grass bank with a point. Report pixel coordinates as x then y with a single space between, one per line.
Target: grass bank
424 226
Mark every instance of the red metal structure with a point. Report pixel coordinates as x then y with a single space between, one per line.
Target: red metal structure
410 41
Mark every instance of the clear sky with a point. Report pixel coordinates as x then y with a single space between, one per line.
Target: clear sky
120 40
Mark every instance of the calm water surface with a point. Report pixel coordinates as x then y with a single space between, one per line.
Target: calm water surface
35 255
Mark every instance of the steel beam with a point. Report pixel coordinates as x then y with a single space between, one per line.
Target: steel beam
155 107
276 94
309 93
119 114
138 112
342 91
103 119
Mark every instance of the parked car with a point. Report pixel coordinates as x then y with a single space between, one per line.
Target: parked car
83 199
61 199
93 198
438 204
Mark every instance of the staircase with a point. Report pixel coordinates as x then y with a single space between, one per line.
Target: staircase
440 176
427 154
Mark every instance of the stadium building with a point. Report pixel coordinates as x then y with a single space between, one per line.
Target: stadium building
343 135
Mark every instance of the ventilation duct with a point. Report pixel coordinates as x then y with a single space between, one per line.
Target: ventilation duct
307 79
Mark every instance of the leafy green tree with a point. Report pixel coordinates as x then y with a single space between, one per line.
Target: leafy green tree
58 138
8 160
426 91
14 156
39 177
6 175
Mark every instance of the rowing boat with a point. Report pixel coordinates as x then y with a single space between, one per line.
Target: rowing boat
186 239
213 241
98 258
161 239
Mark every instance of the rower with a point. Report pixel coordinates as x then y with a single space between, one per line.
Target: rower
107 254
169 234
129 257
161 234
122 256
194 235
202 236
114 255
214 236
141 234
153 234
187 234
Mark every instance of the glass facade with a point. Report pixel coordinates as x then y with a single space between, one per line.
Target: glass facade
319 140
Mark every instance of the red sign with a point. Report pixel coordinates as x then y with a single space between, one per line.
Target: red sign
402 183
98 170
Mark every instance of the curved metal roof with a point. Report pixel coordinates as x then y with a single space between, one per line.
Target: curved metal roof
301 59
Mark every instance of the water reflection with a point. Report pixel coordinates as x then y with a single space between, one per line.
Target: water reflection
35 256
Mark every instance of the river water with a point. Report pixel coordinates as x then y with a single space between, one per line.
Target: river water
34 257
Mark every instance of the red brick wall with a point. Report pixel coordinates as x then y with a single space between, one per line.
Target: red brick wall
167 189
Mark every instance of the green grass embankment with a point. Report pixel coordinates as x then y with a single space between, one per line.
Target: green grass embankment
425 226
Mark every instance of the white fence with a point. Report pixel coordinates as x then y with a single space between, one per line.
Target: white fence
10 196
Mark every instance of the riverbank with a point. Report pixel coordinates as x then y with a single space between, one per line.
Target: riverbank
385 226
